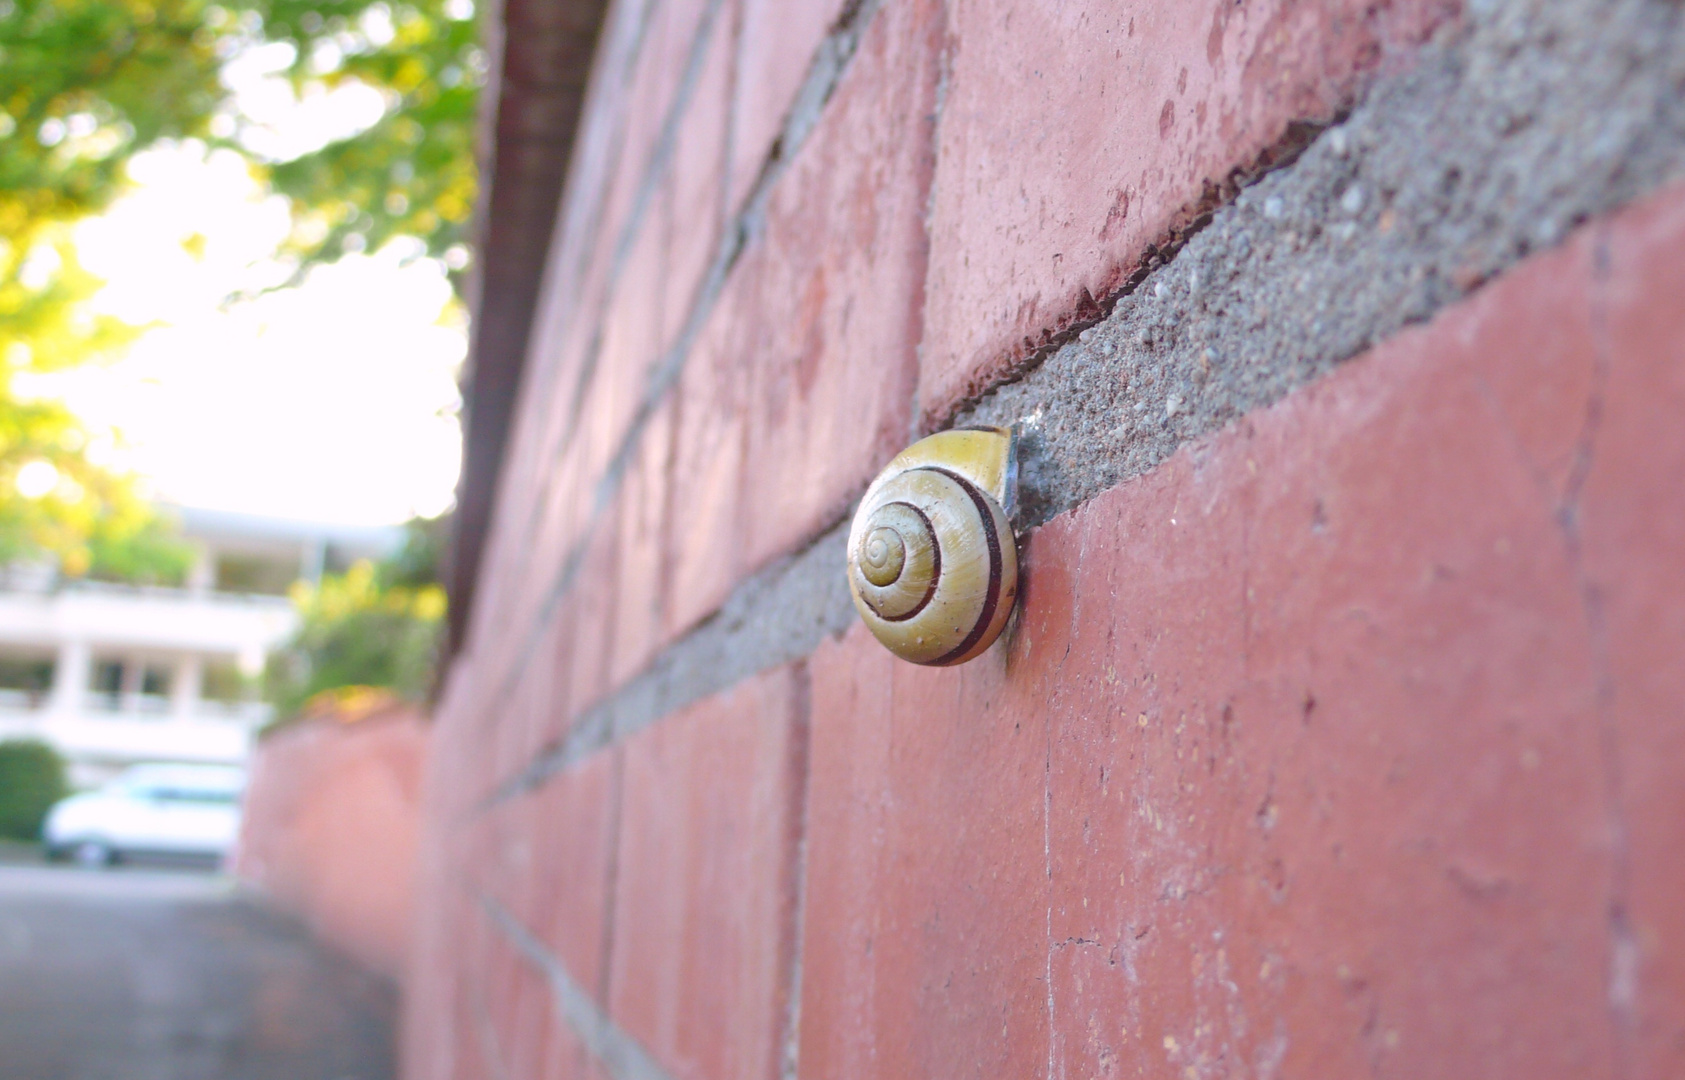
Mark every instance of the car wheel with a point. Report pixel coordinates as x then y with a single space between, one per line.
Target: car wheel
93 854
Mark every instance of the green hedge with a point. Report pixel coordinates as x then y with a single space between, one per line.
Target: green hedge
31 781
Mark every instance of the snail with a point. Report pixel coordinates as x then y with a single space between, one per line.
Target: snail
932 563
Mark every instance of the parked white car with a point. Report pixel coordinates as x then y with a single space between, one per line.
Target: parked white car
182 810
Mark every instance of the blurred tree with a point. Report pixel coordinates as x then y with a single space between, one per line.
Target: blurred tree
87 84
31 781
376 625
56 502
418 560
412 174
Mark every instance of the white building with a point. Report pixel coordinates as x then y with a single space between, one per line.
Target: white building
113 675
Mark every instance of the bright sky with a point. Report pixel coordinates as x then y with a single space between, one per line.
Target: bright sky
334 401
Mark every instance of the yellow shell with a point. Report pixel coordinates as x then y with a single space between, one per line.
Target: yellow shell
932 563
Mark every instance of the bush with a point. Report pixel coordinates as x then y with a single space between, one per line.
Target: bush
358 631
31 781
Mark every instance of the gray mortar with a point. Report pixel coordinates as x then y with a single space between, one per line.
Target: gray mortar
777 616
615 1051
1531 117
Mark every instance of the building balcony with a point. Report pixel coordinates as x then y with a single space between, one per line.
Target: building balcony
113 675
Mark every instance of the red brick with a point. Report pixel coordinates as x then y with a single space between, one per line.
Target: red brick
460 765
519 1020
801 385
650 298
704 520
578 268
834 341
671 31
566 518
564 1053
534 513
513 718
1361 793
445 1043
551 711
584 621
926 914
595 345
705 882
694 202
609 397
580 238
925 898
1631 529
777 41
424 1032
1118 118
544 859
565 337
572 647
503 980
534 1052
640 590
569 317
1299 757
574 821
565 327
631 345
846 222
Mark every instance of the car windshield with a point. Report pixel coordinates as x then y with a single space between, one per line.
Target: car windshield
193 795
181 785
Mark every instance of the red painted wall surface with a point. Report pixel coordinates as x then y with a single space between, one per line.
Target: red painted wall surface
1345 742
331 816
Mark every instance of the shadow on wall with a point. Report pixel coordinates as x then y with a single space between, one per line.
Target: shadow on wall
330 826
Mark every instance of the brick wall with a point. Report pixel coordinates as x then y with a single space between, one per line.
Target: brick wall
1337 731
330 827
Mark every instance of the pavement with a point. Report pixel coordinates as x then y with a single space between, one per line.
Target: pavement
156 974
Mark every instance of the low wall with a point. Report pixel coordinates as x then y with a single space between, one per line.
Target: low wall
330 829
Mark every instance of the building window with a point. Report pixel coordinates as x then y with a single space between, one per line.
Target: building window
108 683
254 574
154 681
25 680
122 685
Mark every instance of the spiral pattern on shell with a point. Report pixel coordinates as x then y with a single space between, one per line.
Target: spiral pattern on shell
932 565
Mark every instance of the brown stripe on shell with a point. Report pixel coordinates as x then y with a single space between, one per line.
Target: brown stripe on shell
991 598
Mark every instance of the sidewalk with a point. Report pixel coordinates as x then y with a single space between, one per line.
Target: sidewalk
135 974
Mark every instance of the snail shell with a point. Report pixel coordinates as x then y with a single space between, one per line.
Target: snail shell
932 563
